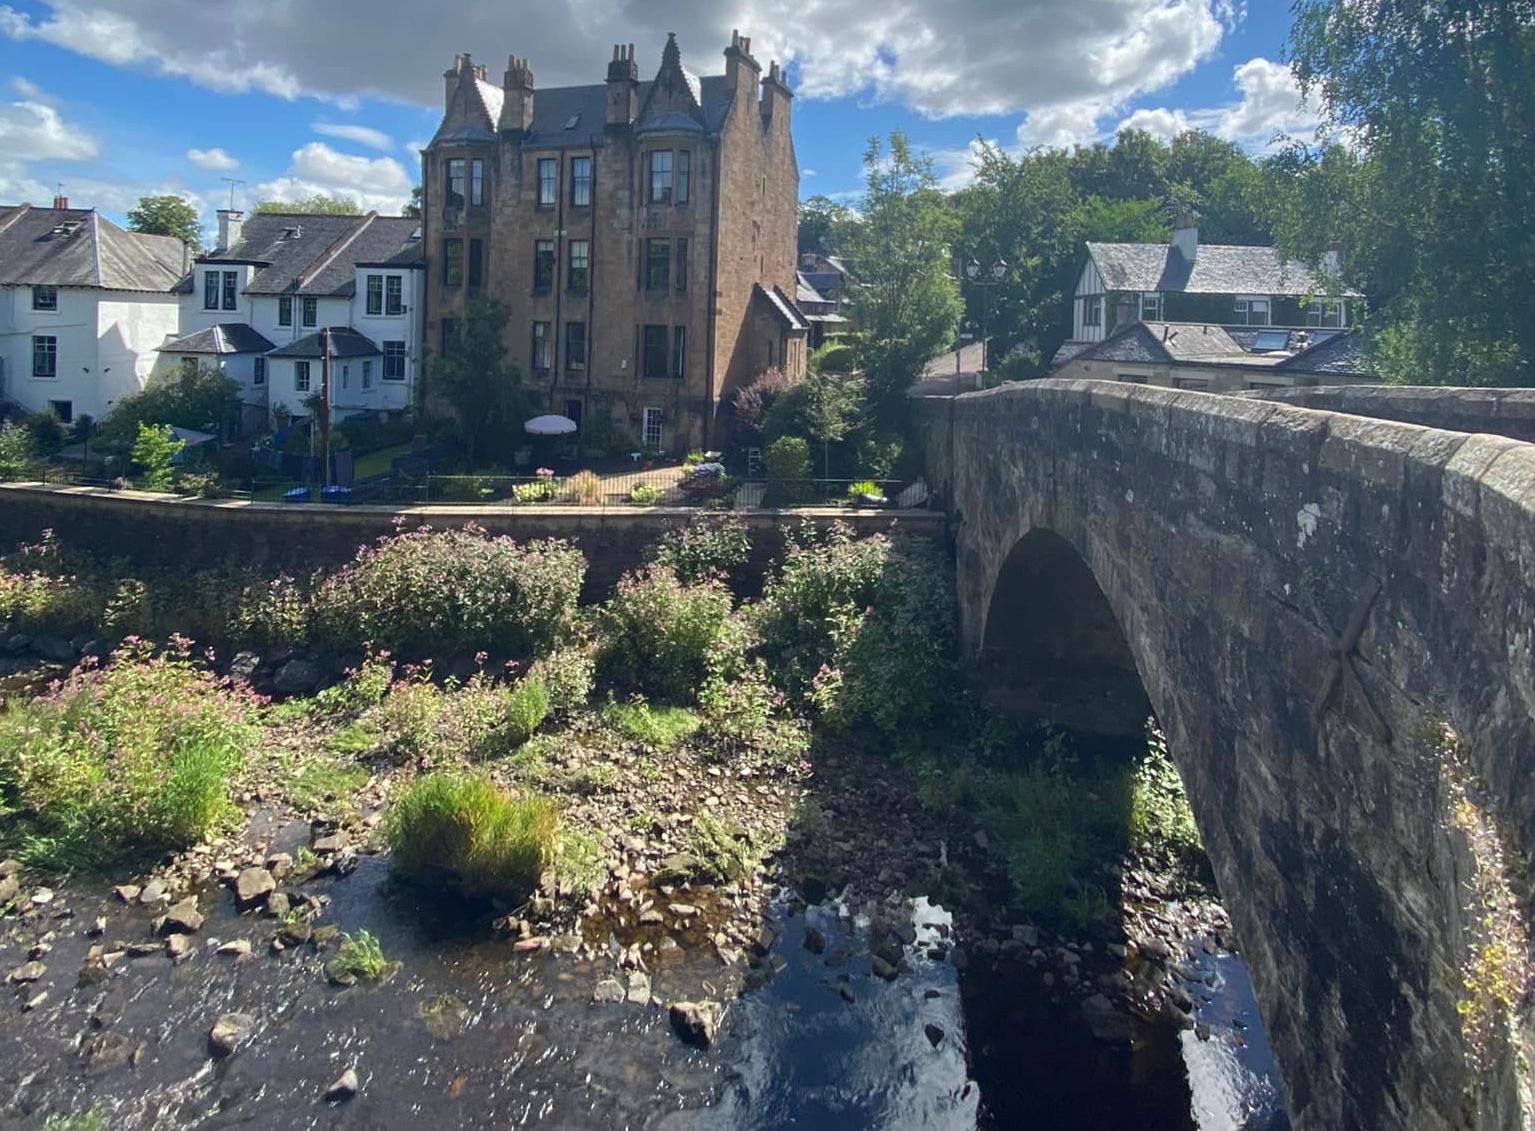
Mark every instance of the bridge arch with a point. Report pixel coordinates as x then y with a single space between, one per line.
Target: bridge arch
1303 594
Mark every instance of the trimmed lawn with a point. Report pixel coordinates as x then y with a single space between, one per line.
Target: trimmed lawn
377 463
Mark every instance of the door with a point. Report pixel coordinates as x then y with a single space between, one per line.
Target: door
573 411
652 431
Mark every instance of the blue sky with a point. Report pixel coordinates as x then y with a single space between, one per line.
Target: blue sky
118 98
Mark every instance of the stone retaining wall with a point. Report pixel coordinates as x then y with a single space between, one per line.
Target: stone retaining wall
158 530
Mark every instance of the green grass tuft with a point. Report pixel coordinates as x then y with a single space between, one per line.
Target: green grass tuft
360 957
463 829
661 728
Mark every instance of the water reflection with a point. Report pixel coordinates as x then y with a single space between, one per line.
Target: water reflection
803 1054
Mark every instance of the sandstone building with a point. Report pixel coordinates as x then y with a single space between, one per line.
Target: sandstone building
643 235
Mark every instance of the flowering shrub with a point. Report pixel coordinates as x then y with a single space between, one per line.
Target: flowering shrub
568 673
746 714
527 706
644 495
862 629
464 830
452 592
708 546
664 637
136 757
274 613
39 593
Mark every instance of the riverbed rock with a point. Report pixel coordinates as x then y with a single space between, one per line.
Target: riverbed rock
934 1034
177 946
9 889
329 844
1107 1023
344 1087
252 886
27 972
237 948
884 969
696 1022
609 991
109 1050
296 677
229 1032
244 666
815 941
153 892
127 892
639 988
184 917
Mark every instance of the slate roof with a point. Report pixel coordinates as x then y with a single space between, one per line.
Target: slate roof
1341 353
781 305
225 338
1218 269
344 342
78 247
321 259
584 109
1196 343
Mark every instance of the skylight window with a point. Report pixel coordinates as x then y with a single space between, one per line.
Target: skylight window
570 122
1270 340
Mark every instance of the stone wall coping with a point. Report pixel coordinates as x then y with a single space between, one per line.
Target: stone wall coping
453 511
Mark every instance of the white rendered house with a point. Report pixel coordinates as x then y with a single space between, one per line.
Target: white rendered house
84 306
255 306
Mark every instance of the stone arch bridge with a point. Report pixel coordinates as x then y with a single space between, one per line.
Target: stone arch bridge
1306 597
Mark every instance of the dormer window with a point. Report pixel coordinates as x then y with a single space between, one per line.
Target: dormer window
1151 307
1327 313
1252 311
293 233
221 290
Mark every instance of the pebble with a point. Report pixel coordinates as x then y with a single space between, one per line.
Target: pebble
344 1088
42 897
28 972
237 947
35 1002
127 892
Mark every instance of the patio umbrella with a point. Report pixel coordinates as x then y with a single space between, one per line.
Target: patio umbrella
552 425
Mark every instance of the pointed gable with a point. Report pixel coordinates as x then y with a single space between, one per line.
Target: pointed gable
474 106
675 98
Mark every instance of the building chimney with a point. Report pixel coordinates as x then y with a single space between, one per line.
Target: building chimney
623 86
450 77
231 221
1186 235
741 70
517 106
1330 265
60 201
776 96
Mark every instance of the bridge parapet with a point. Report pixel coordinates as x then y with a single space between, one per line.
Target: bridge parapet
1305 596
1501 412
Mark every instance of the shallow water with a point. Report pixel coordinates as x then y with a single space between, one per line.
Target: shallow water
468 1035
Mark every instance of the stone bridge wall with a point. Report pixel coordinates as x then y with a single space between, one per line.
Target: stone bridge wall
158 530
1233 538
1501 412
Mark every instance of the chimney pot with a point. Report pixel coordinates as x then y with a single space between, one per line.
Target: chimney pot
61 201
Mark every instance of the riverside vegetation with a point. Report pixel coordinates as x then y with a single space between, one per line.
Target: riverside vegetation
643 765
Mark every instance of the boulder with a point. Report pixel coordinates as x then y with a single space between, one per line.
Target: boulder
229 1032
696 1022
296 677
183 917
28 972
252 886
54 648
609 991
244 666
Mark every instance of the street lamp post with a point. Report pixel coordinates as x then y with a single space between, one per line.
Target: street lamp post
985 279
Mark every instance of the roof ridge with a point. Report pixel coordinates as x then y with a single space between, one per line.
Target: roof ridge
328 256
21 210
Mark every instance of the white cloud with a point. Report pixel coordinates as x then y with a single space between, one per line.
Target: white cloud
1270 107
806 174
212 160
31 130
1064 62
375 183
358 135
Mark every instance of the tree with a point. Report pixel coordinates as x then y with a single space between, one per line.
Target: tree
18 451
154 452
317 205
1435 101
413 207
832 405
201 398
167 216
475 378
909 304
824 225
